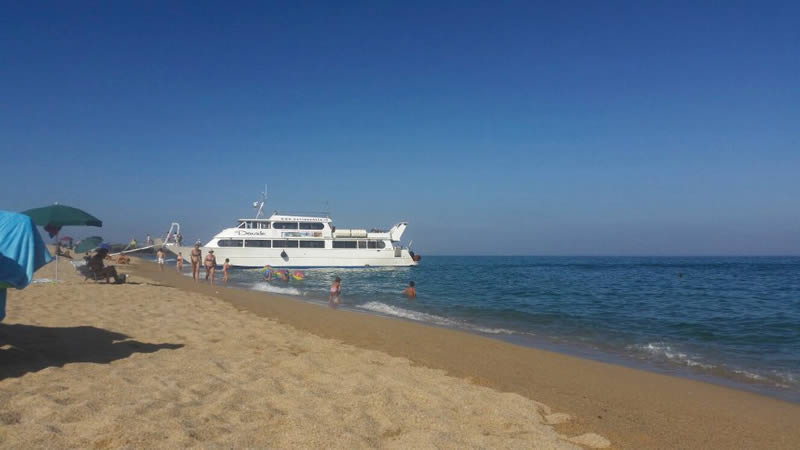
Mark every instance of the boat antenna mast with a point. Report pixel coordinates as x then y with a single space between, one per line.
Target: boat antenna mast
259 205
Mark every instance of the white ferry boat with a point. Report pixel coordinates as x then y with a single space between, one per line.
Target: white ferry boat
302 240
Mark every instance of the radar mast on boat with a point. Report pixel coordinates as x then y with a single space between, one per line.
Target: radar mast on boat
259 205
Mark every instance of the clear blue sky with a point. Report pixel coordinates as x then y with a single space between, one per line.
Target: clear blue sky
594 128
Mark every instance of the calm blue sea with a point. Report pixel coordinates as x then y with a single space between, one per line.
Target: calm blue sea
733 321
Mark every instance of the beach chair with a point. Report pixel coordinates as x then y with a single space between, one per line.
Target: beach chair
98 275
88 273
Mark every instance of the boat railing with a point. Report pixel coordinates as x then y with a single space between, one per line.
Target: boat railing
302 213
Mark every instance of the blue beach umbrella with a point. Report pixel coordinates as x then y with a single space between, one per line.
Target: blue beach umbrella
22 252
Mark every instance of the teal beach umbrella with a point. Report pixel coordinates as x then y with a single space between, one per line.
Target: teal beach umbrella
87 244
53 217
22 252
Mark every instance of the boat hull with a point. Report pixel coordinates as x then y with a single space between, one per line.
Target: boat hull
304 257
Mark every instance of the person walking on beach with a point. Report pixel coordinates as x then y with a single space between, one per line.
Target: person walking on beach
410 291
211 266
196 256
336 291
225 268
179 262
160 258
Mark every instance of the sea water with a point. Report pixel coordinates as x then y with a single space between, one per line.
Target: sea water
734 321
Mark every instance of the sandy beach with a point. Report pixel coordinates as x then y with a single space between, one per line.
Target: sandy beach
164 362
86 364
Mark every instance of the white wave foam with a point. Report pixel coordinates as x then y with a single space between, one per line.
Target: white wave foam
427 318
266 287
496 331
665 351
750 375
406 314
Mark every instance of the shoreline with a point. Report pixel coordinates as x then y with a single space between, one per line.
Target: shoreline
634 408
719 374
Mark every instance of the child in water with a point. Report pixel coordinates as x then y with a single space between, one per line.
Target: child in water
336 290
410 291
225 268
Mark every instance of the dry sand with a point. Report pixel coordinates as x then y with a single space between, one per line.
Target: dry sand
85 364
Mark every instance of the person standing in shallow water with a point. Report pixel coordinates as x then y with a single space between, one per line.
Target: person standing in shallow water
225 268
160 257
336 291
179 262
196 256
211 266
410 291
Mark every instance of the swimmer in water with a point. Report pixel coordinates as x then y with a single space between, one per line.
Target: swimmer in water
410 291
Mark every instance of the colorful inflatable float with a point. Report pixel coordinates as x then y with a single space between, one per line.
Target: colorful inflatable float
283 275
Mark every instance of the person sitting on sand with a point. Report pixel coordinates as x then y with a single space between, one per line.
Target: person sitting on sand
160 257
61 252
225 268
410 291
96 265
123 259
211 265
336 291
195 256
179 262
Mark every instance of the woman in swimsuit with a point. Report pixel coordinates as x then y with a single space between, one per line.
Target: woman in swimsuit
196 255
179 262
211 265
336 290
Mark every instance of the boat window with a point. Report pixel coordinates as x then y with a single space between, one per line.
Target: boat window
284 244
373 244
229 243
381 244
362 244
241 225
312 244
344 244
256 243
311 226
263 225
285 225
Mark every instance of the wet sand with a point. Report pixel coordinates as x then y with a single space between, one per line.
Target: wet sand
144 365
632 408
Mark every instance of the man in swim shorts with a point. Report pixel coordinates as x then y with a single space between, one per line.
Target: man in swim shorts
160 257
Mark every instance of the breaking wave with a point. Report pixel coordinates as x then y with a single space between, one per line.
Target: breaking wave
417 316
